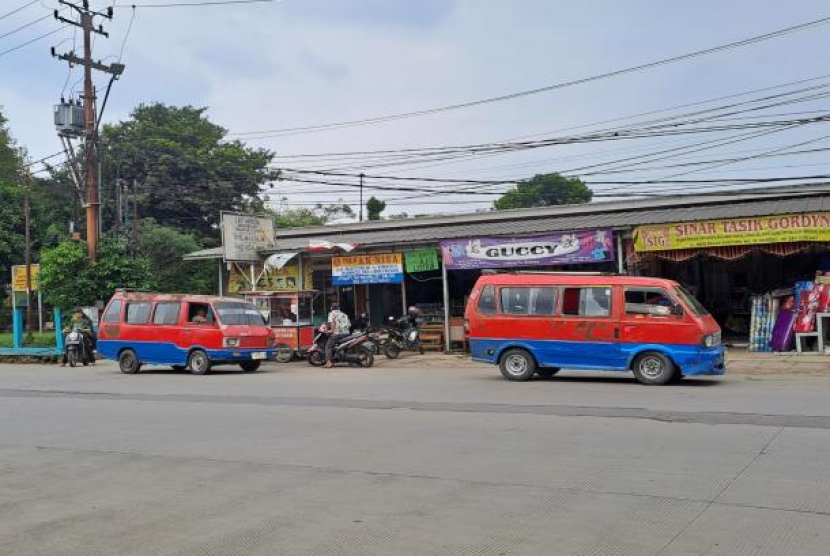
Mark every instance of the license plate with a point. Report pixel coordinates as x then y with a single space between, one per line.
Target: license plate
259 355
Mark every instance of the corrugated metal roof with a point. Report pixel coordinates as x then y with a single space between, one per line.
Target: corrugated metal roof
620 214
426 231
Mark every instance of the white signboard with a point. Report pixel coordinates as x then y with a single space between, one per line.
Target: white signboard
245 235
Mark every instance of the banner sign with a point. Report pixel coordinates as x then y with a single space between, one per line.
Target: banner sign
505 252
245 235
367 269
734 231
283 280
423 260
19 277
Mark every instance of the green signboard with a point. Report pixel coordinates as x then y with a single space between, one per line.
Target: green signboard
422 260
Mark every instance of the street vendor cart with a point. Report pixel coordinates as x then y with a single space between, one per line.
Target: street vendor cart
291 317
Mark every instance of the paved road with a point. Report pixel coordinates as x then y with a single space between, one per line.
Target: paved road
408 458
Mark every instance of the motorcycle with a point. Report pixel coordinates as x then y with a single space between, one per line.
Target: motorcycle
76 348
354 349
402 334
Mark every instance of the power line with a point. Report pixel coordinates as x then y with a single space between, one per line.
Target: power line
26 26
27 43
195 4
126 35
511 96
14 11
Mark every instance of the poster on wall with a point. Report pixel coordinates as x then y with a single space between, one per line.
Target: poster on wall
422 260
595 246
789 228
367 269
245 235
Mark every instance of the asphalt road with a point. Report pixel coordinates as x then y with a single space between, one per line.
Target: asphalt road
410 458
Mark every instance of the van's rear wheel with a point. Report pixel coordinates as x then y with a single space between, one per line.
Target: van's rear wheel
198 362
517 365
128 362
653 368
547 372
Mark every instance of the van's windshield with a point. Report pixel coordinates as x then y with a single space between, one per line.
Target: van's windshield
691 301
238 313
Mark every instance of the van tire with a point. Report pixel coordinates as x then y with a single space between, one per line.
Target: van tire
547 372
250 366
517 365
128 362
198 362
653 368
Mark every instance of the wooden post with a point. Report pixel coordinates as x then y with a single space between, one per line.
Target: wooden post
445 282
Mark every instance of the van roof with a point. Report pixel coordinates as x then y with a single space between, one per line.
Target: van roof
565 279
133 295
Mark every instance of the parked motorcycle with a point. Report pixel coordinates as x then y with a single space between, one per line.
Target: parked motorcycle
402 334
76 349
355 349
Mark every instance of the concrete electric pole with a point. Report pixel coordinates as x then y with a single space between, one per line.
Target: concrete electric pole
91 177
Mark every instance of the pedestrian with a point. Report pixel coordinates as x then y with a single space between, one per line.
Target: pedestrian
338 325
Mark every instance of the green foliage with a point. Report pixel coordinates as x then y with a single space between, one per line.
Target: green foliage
164 247
305 217
11 157
11 229
544 190
374 207
68 279
182 169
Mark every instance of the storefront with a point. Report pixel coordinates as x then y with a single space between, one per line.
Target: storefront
750 245
731 264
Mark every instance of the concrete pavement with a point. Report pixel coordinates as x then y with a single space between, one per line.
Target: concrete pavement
410 457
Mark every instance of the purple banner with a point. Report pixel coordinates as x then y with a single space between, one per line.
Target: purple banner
596 246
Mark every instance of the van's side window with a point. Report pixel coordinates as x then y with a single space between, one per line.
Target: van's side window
528 300
487 301
167 313
586 302
138 313
648 301
113 312
200 313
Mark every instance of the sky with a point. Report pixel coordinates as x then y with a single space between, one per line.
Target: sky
295 63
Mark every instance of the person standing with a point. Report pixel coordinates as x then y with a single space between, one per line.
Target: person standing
338 325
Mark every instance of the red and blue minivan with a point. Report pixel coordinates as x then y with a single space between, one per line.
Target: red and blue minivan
538 323
183 331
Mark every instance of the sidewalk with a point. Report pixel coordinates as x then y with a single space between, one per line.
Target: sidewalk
738 361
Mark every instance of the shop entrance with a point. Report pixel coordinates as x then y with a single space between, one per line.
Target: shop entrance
385 300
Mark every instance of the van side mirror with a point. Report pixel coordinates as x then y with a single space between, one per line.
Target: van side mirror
676 310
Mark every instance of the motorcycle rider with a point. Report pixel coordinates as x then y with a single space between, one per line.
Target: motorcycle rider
338 325
82 323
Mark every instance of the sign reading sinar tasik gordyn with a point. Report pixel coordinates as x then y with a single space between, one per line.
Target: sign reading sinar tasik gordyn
757 230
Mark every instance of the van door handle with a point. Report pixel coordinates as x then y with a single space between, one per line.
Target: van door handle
616 332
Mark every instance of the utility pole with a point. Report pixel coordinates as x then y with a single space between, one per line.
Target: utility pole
27 216
87 24
361 197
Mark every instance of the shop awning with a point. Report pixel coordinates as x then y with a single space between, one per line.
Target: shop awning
279 260
731 253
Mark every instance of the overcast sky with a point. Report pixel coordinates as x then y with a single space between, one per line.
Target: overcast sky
304 62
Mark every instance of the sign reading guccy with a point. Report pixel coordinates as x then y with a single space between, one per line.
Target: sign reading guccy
788 228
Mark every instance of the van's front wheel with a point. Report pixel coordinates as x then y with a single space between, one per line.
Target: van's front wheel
198 362
653 368
517 365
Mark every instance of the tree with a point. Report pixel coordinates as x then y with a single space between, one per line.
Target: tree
164 248
374 207
286 217
181 169
68 279
543 190
11 203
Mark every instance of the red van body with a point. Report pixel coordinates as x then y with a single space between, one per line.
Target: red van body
191 331
540 322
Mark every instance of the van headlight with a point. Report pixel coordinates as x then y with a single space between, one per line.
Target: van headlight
712 340
230 342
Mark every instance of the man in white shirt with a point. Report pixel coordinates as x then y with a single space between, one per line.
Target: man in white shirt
339 326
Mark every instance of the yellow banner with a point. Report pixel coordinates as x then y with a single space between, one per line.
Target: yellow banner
19 277
285 279
788 228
